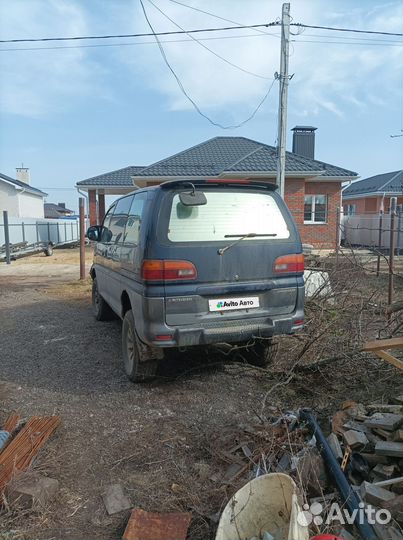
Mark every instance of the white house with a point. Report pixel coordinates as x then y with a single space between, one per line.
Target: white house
19 198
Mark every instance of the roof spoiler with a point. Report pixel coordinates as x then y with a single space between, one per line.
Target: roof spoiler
220 182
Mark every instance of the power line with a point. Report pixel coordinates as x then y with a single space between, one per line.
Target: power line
153 42
215 38
346 29
387 44
143 34
212 15
197 30
208 48
185 93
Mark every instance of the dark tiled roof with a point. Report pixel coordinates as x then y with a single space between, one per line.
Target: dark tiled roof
23 185
235 154
120 177
55 211
391 182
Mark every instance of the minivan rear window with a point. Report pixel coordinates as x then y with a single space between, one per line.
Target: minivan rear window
227 214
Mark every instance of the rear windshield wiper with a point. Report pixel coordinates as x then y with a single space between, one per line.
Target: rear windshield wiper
241 237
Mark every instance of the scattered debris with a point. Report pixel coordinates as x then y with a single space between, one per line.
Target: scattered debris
115 499
21 450
29 490
144 525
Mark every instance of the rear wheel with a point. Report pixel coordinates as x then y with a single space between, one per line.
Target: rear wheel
136 364
101 309
260 354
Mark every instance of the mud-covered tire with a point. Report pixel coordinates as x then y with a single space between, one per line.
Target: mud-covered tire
137 368
102 310
261 354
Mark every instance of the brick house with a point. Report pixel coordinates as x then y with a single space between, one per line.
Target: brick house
370 195
312 187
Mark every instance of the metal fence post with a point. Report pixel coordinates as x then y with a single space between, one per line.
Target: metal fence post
399 228
65 231
392 211
6 236
378 264
82 237
23 231
338 225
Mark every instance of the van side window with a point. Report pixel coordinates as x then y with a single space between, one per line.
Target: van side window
106 233
133 225
119 218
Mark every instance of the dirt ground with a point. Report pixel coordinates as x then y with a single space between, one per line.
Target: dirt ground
152 438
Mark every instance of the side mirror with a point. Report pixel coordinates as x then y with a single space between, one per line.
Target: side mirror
94 233
193 198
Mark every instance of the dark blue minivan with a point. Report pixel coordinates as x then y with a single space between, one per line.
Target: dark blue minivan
198 263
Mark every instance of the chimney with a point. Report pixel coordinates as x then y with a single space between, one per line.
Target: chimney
303 141
62 205
22 174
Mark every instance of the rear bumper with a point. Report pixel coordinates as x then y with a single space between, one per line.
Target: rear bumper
240 327
230 332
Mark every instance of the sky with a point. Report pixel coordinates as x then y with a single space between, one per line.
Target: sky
74 112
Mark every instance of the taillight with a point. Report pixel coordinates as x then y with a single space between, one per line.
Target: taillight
289 264
155 270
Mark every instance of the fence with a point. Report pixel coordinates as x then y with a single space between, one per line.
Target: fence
31 231
372 230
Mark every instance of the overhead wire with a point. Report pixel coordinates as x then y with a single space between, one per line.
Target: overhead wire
229 62
218 16
186 94
353 30
135 43
142 34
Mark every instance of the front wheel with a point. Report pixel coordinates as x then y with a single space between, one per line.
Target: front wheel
137 368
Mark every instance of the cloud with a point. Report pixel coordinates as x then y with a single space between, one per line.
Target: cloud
327 76
35 83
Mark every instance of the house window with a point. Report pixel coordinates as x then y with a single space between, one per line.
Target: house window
315 209
351 209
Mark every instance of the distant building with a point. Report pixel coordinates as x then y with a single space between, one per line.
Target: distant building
370 195
57 211
19 198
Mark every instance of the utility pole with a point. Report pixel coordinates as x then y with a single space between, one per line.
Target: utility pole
283 93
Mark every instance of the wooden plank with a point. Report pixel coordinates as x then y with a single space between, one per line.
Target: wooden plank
390 358
379 344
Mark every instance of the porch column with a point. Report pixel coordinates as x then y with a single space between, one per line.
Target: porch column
101 206
92 203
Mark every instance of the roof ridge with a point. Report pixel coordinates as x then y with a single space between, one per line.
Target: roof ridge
181 152
245 156
390 179
22 185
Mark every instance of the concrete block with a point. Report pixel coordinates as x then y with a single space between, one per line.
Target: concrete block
387 421
386 448
115 499
335 445
384 471
373 459
375 495
32 489
355 439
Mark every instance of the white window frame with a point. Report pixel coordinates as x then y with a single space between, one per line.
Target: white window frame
351 209
312 220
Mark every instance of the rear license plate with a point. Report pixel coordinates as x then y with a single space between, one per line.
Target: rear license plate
226 304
